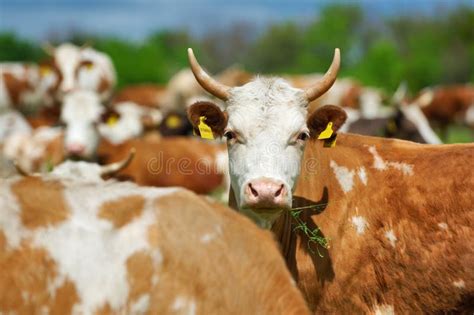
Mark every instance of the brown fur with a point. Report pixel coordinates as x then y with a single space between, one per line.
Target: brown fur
236 270
32 193
149 95
173 161
121 211
360 271
215 117
449 104
15 87
27 271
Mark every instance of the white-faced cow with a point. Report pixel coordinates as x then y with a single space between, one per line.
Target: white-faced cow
71 243
398 216
83 68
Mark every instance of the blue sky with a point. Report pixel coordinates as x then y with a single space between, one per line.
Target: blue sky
135 19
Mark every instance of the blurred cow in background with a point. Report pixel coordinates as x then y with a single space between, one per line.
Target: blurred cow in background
26 86
147 95
82 68
402 121
182 89
347 93
444 105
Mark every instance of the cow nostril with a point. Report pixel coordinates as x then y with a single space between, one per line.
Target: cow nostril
254 192
278 192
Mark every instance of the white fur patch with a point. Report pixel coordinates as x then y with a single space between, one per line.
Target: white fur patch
390 235
207 237
362 175
141 305
443 225
344 176
469 117
380 164
460 284
184 305
384 309
360 224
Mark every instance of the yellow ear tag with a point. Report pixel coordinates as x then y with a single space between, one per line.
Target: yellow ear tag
204 129
331 142
112 120
45 70
392 126
173 122
327 133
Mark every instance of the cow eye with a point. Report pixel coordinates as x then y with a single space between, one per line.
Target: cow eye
303 136
229 135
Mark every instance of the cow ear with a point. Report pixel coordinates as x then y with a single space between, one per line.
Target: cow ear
318 120
214 117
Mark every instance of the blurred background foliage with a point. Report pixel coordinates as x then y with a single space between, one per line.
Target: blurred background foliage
421 50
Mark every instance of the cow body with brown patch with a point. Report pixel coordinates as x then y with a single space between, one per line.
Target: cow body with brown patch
80 245
398 217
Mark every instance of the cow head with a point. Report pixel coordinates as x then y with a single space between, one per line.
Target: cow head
266 125
81 112
82 68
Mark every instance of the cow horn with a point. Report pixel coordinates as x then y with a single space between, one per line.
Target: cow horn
22 171
48 48
214 87
327 80
117 166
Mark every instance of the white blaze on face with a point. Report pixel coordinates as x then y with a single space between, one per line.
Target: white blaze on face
267 115
81 112
67 57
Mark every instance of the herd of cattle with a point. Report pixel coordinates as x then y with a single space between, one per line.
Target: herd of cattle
97 217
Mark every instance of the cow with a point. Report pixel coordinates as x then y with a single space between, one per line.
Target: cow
148 95
182 90
73 243
444 105
94 133
37 151
366 224
406 122
347 93
128 120
197 165
82 68
26 86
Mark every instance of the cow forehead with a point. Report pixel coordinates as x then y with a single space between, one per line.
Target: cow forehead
81 105
67 54
266 104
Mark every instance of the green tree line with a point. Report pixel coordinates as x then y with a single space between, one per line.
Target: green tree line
421 50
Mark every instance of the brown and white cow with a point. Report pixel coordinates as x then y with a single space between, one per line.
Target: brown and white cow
26 86
71 243
200 166
398 216
448 104
83 68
